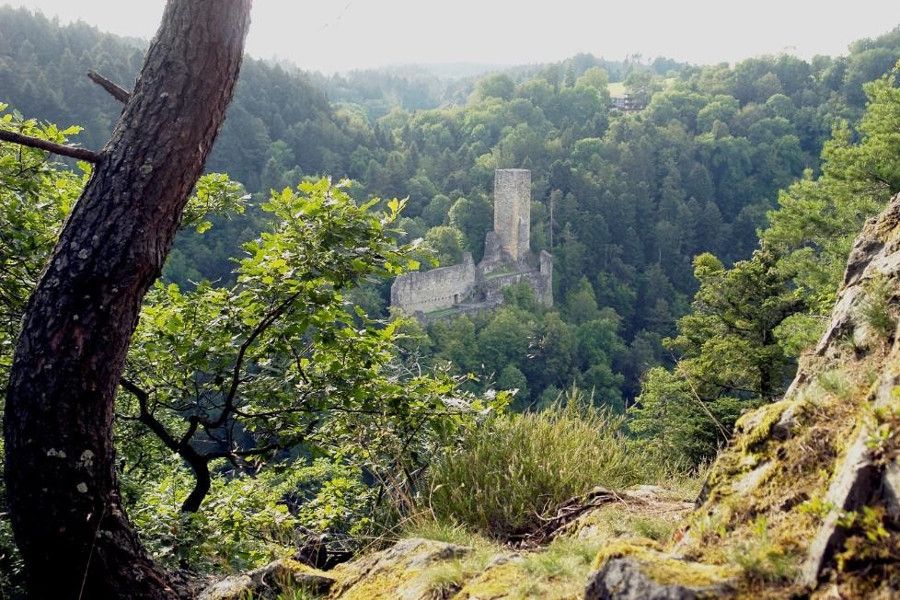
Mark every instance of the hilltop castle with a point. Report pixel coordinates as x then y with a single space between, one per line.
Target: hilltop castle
508 260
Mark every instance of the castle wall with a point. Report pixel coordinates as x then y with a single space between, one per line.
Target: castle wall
436 289
491 286
495 259
508 260
512 211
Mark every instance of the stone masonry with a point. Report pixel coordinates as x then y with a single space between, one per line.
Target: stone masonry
512 211
508 260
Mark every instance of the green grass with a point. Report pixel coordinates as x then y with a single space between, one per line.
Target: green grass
558 570
441 312
442 531
291 595
761 559
615 522
876 309
517 469
566 558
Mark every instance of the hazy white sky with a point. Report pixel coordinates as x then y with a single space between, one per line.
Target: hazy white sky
346 34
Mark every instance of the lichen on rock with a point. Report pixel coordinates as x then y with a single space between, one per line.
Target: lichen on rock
655 578
269 582
396 572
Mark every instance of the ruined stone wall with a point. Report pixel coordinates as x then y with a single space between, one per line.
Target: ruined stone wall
508 260
436 289
512 211
495 259
490 288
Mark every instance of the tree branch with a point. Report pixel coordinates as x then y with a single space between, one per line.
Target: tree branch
61 149
270 447
706 409
199 463
147 418
260 328
114 90
243 453
193 423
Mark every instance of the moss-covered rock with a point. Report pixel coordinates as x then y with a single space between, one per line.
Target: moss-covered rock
777 501
807 490
397 572
655 578
269 582
664 568
496 582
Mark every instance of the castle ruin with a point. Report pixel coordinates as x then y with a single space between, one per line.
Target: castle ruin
508 260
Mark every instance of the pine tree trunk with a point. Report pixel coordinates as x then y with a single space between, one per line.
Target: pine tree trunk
67 516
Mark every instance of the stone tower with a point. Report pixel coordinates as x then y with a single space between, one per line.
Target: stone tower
512 211
507 260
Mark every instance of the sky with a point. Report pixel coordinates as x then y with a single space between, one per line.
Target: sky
340 35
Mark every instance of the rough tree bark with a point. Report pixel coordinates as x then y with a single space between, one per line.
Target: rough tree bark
66 510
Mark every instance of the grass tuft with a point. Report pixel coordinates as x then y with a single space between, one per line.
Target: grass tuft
876 310
512 473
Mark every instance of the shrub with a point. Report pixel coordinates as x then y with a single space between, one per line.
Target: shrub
515 469
249 520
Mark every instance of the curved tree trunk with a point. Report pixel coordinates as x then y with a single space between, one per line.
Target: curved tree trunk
202 481
66 510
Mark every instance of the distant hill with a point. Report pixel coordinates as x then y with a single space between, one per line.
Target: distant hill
42 74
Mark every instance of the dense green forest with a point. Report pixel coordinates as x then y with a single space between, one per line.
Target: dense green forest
636 196
698 245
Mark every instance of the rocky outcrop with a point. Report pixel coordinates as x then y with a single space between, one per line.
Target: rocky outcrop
866 476
805 498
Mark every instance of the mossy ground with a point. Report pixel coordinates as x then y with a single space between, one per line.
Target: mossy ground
763 503
491 570
664 568
655 516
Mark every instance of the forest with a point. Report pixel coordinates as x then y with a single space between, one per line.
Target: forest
637 197
272 404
